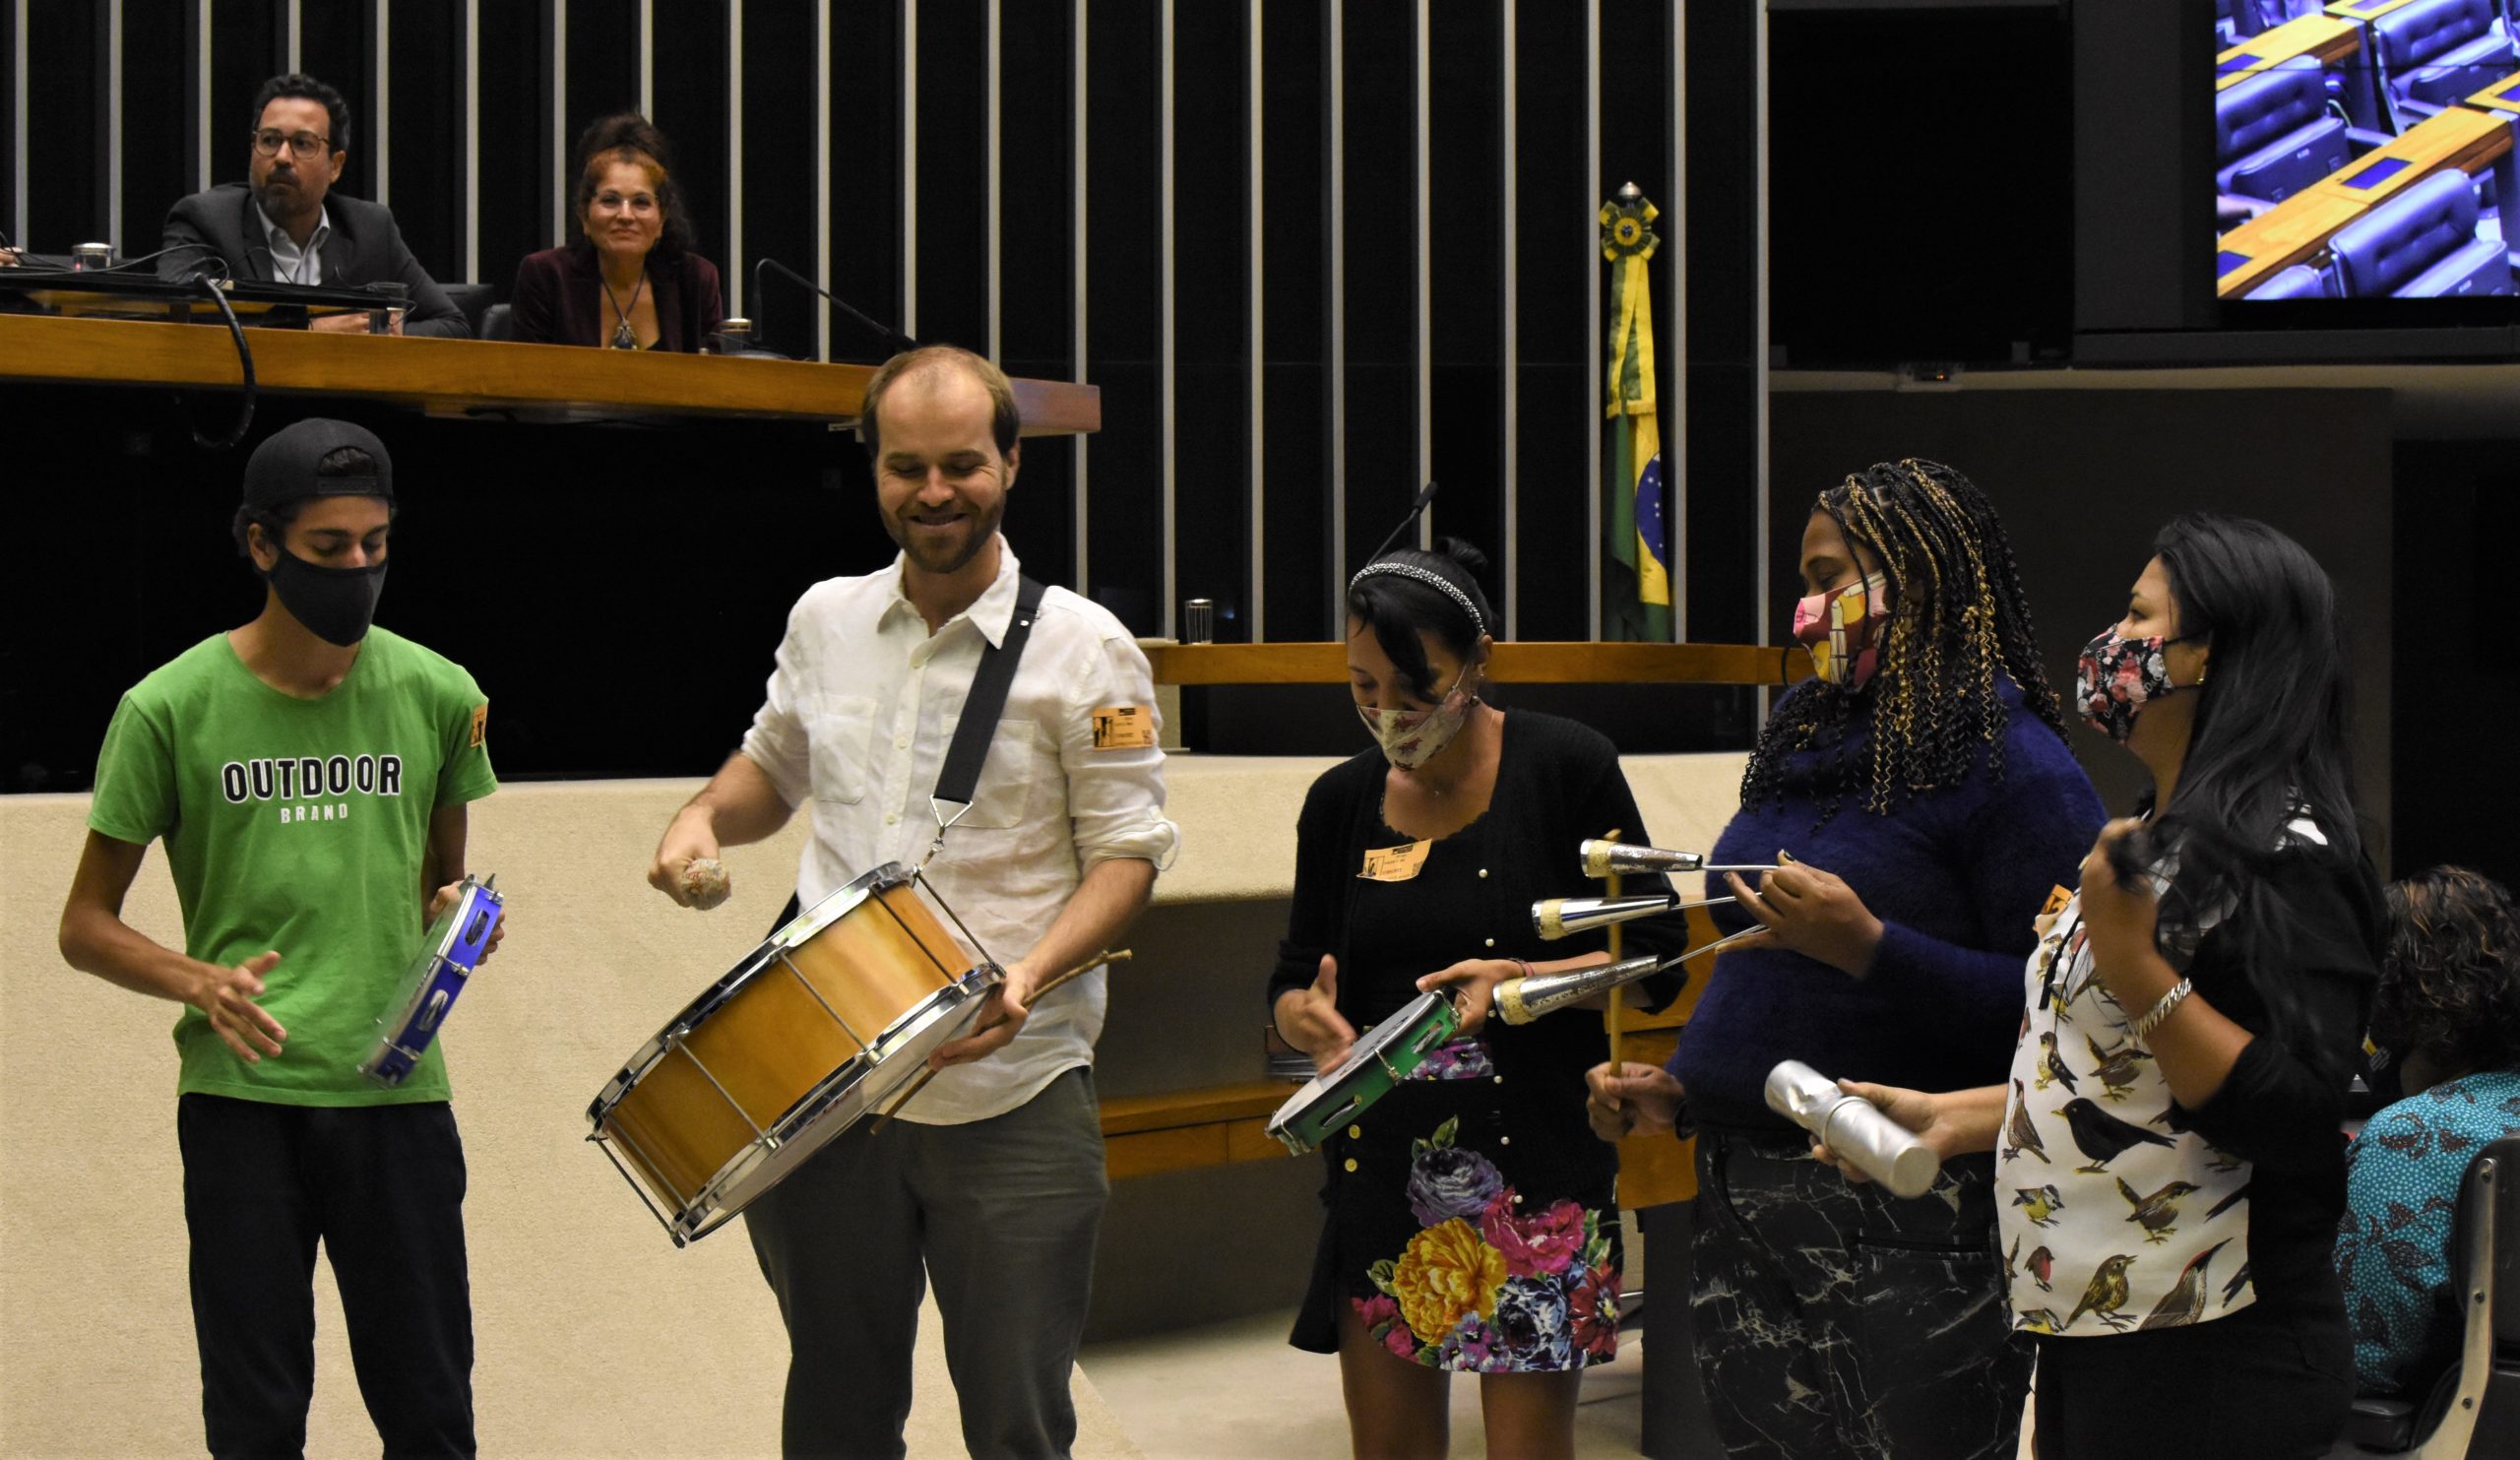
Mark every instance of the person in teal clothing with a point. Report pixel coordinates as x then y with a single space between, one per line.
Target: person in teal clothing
2448 1012
309 775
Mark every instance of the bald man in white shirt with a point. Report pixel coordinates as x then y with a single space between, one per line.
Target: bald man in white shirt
993 1180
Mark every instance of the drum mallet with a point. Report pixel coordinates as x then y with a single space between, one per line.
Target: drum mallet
1111 955
1853 1128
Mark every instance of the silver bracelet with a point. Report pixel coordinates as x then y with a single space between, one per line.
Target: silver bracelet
2153 1017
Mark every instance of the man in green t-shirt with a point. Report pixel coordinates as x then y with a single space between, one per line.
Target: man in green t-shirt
309 775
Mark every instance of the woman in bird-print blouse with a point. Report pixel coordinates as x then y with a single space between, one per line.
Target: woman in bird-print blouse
2169 1138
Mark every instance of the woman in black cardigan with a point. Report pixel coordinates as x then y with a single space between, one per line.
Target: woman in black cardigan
1472 1223
632 282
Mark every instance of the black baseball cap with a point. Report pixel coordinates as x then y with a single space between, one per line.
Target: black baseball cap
282 469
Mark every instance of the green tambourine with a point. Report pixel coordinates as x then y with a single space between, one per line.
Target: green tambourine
1382 1056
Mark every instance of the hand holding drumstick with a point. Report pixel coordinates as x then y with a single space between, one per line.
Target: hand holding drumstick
1114 955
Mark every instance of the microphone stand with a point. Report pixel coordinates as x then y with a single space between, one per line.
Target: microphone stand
894 341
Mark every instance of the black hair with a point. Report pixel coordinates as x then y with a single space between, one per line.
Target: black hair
629 133
308 89
341 461
2267 744
2450 979
1958 619
1398 608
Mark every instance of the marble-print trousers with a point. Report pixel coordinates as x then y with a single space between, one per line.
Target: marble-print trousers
1834 1319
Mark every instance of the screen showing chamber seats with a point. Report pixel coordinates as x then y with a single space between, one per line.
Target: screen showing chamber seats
2367 149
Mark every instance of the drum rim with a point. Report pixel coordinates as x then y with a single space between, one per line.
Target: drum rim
826 911
694 1219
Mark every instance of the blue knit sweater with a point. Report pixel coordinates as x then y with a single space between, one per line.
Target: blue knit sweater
1955 877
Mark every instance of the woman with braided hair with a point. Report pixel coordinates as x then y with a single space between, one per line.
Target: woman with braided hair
1921 805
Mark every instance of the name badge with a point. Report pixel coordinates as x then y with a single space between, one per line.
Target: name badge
1395 864
2057 897
1124 728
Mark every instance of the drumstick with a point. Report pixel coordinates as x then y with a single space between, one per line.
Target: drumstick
1111 954
1609 1016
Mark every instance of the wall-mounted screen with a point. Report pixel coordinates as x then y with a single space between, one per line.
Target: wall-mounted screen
2367 149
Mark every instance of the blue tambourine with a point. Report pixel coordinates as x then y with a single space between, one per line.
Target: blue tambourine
453 947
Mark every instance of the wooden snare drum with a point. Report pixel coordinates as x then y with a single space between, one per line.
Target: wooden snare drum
818 1026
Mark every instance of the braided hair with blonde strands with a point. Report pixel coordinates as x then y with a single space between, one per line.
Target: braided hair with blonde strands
1957 618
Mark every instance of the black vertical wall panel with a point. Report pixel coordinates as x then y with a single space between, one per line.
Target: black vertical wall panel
1295 321
333 47
1383 227
9 221
65 76
1555 233
1465 233
603 49
1212 323
778 173
248 44
690 78
156 131
953 174
865 183
1037 260
1124 475
426 136
1721 262
515 174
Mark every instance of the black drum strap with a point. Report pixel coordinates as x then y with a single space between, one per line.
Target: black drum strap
968 753
960 777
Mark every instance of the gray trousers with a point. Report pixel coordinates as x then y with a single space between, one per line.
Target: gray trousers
999 1214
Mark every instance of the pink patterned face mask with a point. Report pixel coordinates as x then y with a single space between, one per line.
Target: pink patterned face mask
1411 737
2118 676
1841 627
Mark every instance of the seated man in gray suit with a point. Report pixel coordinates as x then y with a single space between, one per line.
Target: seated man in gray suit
284 226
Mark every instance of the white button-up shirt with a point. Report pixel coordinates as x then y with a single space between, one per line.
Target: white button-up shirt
855 725
289 263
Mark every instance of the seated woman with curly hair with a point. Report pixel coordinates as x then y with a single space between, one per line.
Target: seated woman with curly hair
2448 1012
634 279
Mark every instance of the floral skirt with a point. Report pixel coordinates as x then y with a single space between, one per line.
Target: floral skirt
1459 1249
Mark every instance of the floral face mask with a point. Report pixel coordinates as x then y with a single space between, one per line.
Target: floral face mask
2118 676
1411 737
1841 628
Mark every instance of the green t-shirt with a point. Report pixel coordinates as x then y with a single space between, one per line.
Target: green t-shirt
298 825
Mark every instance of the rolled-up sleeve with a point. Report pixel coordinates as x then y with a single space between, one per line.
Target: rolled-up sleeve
777 740
1115 792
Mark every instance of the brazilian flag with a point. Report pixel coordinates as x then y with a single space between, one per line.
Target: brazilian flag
1640 600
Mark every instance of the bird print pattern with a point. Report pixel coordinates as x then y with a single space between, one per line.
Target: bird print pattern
2131 1219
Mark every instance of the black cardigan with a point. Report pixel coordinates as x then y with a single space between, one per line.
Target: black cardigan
1557 782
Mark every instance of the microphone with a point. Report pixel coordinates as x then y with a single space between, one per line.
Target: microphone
1853 1127
894 341
1627 859
1565 916
1426 494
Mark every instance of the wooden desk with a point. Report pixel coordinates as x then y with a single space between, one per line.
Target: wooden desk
1517 663
2297 228
2504 95
457 377
2457 138
2322 38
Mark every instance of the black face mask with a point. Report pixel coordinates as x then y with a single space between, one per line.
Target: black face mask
335 603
